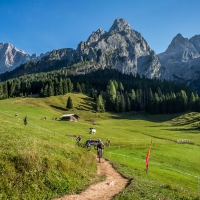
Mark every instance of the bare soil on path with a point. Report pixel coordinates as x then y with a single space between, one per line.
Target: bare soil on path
105 190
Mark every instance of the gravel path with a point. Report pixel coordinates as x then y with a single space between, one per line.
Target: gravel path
105 190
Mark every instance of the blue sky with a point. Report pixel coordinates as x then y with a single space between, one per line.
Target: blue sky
38 26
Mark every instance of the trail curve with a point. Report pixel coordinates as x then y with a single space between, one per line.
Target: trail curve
105 190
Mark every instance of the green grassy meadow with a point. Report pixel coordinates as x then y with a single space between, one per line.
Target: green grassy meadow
40 160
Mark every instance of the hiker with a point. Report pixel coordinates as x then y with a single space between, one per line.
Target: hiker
108 142
25 120
78 140
100 145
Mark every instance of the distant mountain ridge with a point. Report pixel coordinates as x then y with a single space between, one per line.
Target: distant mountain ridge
120 48
11 57
182 58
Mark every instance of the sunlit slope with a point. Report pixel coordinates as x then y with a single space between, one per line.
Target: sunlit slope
40 160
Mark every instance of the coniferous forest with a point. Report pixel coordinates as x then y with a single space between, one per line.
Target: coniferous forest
110 89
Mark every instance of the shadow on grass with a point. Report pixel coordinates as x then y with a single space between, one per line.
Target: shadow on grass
185 129
59 108
88 103
145 116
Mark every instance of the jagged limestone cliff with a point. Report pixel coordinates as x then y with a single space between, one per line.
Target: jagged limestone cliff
121 48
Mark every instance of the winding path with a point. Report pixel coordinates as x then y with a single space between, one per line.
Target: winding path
105 190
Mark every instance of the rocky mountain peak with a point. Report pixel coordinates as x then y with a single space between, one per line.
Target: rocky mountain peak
121 48
11 57
196 42
120 25
95 36
179 43
182 56
7 46
182 46
178 37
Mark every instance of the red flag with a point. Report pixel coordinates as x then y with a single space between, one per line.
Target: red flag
147 159
148 156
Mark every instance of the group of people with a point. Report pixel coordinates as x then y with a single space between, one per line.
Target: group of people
100 144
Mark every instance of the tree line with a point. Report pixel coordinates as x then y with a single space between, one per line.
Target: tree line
112 91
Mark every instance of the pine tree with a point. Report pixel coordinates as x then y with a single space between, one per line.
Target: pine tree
41 92
70 85
64 86
28 87
50 91
100 104
95 97
78 88
184 100
163 104
1 89
192 102
159 92
121 87
60 87
173 105
133 100
69 103
127 102
83 88
56 87
5 90
197 105
156 104
111 96
150 101
45 91
115 84
138 99
92 93
123 104
117 103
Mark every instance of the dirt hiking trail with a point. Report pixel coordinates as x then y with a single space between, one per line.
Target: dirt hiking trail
105 190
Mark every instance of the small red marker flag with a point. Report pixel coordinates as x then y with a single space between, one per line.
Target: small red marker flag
148 156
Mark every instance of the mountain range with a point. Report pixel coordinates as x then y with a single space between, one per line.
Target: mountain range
11 57
120 48
182 58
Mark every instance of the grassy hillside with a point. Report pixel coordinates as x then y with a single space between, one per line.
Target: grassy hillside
40 160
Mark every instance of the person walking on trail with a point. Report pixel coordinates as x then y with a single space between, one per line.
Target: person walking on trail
100 147
78 139
25 120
